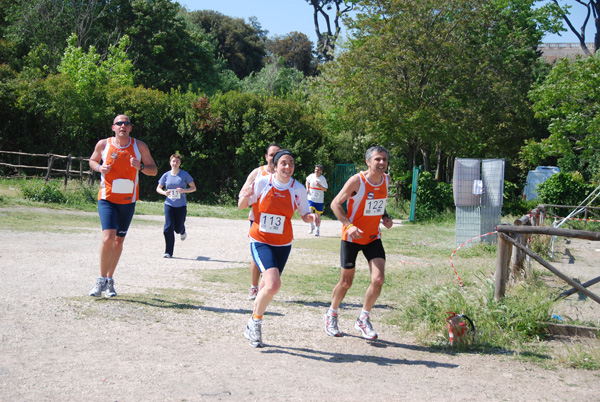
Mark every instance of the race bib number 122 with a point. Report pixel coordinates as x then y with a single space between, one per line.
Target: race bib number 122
375 207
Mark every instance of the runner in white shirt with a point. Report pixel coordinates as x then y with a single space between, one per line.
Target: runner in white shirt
316 185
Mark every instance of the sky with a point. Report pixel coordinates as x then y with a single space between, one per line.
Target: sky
281 17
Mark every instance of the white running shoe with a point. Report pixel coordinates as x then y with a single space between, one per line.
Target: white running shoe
331 324
253 332
96 291
109 288
183 236
312 228
365 328
253 293
166 255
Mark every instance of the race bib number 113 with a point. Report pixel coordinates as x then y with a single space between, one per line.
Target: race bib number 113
270 223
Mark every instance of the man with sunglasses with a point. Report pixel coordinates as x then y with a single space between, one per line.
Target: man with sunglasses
119 160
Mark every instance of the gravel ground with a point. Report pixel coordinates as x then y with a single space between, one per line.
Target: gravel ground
57 343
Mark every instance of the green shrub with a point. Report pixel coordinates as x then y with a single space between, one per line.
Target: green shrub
46 192
433 197
564 189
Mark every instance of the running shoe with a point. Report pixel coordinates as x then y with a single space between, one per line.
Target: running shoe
253 293
183 236
312 228
318 232
253 332
98 288
331 324
166 255
109 288
365 328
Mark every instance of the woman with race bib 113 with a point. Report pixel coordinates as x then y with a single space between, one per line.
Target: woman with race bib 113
273 198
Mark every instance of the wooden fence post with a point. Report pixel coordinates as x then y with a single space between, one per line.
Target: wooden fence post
68 169
50 163
501 267
19 164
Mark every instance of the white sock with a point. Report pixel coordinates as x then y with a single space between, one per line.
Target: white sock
332 311
364 314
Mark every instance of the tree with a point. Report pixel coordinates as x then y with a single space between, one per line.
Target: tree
276 80
568 101
241 45
593 9
296 51
327 38
165 54
437 78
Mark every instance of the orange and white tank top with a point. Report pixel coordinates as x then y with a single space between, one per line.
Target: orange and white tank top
365 209
273 208
121 184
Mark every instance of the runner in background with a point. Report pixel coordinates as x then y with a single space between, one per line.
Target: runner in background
316 185
177 183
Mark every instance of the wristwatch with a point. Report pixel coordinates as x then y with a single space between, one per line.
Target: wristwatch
142 166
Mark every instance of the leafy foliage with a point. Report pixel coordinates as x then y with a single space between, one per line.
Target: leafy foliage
564 189
44 192
568 100
433 197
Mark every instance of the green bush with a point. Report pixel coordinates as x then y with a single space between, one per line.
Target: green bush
564 189
433 197
46 192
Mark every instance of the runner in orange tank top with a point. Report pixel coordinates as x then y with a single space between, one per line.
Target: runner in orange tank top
119 160
366 193
264 170
274 199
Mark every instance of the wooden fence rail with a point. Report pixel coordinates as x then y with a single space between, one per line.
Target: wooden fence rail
51 166
510 259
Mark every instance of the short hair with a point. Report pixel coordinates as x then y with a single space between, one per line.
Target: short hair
376 149
273 144
319 166
176 155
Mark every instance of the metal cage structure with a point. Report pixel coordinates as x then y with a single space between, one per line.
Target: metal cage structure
478 187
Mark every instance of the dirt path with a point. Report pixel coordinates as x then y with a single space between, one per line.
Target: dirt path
59 344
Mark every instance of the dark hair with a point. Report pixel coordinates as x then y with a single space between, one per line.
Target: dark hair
279 154
273 144
376 149
319 166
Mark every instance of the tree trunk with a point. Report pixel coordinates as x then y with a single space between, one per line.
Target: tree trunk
426 162
441 164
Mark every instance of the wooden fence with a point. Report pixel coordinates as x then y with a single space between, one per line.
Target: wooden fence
67 166
512 250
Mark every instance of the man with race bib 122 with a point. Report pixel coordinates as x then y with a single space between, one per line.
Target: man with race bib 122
366 193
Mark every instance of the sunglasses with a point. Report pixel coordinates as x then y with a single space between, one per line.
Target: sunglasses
123 123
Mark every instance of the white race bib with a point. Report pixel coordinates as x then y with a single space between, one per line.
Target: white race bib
270 223
174 194
316 195
122 186
375 207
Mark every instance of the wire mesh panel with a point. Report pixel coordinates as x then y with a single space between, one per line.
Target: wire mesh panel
343 171
478 194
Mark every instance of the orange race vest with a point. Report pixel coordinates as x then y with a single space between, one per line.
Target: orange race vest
273 212
365 209
121 184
